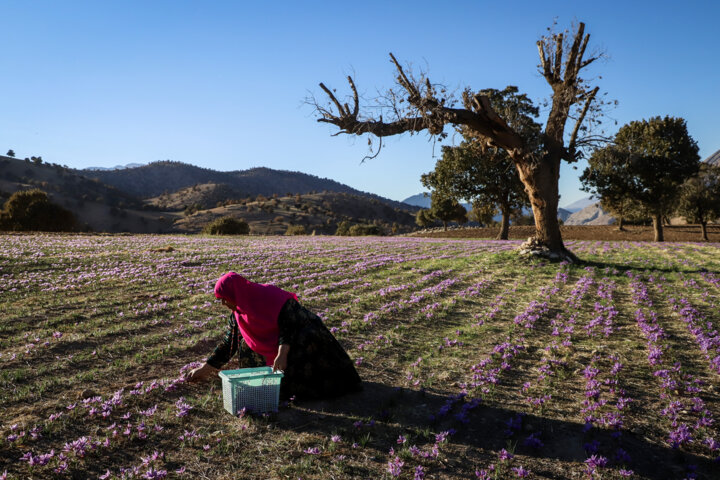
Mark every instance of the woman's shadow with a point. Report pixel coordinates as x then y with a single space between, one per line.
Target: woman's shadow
380 414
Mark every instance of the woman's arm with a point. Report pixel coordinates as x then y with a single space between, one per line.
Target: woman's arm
281 359
221 355
225 350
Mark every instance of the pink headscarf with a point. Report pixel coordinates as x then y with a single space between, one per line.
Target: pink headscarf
258 307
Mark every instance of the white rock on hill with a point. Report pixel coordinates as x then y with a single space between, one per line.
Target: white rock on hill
590 215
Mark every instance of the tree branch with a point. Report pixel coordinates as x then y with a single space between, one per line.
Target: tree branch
355 96
573 137
572 62
544 61
335 100
558 56
430 114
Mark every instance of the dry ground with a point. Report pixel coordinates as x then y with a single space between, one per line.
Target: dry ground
632 233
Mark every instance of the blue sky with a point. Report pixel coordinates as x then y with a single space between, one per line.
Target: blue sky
221 84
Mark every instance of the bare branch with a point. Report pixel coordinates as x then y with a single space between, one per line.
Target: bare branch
544 61
581 54
404 81
571 63
588 100
558 56
355 96
370 157
335 100
587 62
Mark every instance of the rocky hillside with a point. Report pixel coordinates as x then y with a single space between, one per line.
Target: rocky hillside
714 159
590 215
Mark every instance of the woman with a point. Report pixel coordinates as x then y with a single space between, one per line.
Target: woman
270 327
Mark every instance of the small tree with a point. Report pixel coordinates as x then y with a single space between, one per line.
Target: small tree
699 200
227 226
10 153
447 210
32 210
650 160
476 172
423 218
607 177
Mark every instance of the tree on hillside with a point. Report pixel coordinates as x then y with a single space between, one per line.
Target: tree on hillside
607 178
475 172
447 209
699 200
419 105
650 159
32 210
10 153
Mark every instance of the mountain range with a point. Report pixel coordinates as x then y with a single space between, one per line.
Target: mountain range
176 197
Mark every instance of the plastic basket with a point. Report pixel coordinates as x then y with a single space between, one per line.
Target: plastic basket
257 389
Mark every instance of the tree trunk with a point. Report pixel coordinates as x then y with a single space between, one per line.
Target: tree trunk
703 228
444 225
505 226
658 228
541 184
621 228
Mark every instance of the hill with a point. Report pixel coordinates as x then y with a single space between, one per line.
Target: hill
97 206
319 212
107 208
166 177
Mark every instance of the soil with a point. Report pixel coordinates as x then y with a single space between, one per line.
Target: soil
631 233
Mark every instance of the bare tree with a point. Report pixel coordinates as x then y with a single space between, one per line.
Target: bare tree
419 105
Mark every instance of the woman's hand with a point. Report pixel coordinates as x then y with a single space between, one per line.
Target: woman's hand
201 373
281 359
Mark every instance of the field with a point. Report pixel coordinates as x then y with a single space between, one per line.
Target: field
476 363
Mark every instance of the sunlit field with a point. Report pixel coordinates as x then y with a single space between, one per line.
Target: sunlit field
476 363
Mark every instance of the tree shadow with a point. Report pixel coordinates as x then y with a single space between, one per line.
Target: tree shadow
385 412
623 268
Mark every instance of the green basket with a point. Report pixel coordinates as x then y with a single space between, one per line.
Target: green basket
257 389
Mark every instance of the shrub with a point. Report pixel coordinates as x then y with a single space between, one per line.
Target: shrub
296 230
343 229
227 226
362 230
32 210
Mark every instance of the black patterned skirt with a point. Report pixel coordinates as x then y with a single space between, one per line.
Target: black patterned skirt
317 365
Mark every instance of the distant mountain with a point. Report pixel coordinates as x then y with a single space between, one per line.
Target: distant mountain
564 214
116 167
580 204
590 215
165 177
421 200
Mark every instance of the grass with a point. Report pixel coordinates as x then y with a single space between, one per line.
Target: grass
445 333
